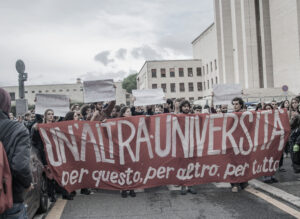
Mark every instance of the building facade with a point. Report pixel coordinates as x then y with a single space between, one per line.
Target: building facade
255 43
177 78
73 91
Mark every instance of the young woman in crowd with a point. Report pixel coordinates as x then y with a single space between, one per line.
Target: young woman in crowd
37 143
126 112
285 105
115 113
294 142
294 108
185 108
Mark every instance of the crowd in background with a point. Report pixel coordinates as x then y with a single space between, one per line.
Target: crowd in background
101 111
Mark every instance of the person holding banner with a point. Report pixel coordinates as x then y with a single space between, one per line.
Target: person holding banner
101 112
184 108
238 106
126 112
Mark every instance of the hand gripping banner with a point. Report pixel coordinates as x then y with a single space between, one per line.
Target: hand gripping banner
148 151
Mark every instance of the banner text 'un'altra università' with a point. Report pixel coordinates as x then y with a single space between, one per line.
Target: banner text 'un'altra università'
148 151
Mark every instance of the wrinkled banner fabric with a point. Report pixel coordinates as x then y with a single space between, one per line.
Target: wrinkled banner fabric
177 149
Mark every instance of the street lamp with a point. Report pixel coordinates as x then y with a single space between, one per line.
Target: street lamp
20 66
21 104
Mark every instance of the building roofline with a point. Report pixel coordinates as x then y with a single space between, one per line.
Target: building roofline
32 85
203 32
167 60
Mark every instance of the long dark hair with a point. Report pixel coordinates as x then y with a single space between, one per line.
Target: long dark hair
123 110
69 116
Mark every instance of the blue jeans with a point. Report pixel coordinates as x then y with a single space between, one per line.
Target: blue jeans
18 211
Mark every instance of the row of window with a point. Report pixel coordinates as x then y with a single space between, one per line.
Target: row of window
52 91
200 86
163 73
211 67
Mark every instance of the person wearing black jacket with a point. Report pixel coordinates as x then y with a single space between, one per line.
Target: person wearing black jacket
16 142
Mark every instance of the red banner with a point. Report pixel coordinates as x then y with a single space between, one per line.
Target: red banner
148 151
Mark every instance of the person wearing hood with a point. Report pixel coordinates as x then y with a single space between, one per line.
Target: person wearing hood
16 142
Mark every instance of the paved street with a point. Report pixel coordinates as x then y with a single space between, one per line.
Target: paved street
212 201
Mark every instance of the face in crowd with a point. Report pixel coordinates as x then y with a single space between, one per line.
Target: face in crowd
185 109
99 106
11 116
49 116
127 112
224 108
236 106
274 104
294 104
76 116
286 104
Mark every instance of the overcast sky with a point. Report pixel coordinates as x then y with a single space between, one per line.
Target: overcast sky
61 40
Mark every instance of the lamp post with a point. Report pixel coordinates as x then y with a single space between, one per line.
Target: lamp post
21 103
20 66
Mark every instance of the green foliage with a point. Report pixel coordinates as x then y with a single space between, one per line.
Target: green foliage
129 83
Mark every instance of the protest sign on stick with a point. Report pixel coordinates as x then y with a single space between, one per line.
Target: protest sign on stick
142 152
148 97
97 91
224 93
60 104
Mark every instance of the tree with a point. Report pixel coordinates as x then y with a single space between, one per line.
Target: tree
129 83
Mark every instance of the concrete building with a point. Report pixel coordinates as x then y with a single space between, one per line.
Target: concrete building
178 78
73 91
255 43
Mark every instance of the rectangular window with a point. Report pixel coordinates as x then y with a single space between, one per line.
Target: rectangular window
204 87
207 70
172 72
199 98
127 103
163 72
26 91
127 96
190 72
46 91
153 71
199 72
164 87
203 69
154 86
74 90
191 87
12 96
212 82
60 90
191 99
181 87
207 84
67 90
53 91
181 72
215 64
173 89
33 91
40 91
216 80
211 68
199 85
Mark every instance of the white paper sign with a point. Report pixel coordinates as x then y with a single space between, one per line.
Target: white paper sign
97 91
60 104
148 97
224 93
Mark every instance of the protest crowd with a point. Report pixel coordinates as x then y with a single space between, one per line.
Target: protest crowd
26 130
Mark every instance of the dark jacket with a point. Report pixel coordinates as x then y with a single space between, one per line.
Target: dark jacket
16 142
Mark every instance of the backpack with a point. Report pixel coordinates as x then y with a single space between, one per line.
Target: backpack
6 196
